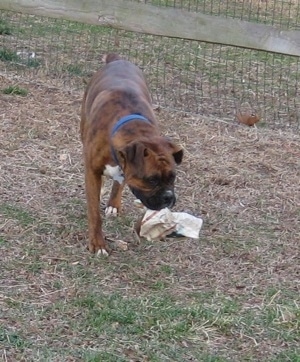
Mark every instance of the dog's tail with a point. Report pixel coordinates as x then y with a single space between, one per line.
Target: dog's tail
111 57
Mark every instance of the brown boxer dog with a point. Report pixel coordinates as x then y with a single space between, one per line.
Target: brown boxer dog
121 139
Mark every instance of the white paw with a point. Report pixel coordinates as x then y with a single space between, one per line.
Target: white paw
111 211
102 252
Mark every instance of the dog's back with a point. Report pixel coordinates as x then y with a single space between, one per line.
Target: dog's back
119 74
118 88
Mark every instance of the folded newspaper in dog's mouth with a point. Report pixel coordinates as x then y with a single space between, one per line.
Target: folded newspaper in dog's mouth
156 225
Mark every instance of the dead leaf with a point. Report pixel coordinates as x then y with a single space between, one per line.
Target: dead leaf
247 118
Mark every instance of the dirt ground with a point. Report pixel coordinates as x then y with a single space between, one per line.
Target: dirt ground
243 182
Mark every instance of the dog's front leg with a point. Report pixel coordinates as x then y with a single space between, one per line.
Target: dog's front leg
114 202
93 183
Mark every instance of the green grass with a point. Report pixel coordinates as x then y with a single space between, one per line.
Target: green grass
33 27
102 357
157 322
2 241
292 355
5 29
74 69
159 317
15 90
32 62
13 339
16 213
7 55
160 325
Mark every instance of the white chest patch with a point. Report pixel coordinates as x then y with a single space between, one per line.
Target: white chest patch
115 172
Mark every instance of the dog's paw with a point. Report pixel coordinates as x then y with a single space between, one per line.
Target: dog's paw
111 211
102 252
98 247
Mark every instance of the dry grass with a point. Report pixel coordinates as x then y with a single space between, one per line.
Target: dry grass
233 295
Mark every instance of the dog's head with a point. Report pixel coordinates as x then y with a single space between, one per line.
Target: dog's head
149 168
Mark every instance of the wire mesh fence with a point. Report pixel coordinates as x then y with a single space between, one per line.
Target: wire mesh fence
283 13
190 76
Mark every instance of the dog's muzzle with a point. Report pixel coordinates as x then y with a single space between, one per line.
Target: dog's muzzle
158 201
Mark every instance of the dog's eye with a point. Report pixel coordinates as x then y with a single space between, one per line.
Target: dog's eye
153 180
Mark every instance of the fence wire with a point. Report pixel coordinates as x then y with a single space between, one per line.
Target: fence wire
190 76
284 13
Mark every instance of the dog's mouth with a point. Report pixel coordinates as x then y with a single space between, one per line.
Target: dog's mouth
158 201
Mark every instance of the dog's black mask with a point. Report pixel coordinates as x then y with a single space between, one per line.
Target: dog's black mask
159 200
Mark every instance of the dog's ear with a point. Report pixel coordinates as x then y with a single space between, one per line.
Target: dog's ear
177 152
133 153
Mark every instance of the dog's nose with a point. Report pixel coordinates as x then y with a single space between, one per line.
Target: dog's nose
169 197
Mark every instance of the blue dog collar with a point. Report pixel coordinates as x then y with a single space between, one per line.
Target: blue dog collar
121 122
130 117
